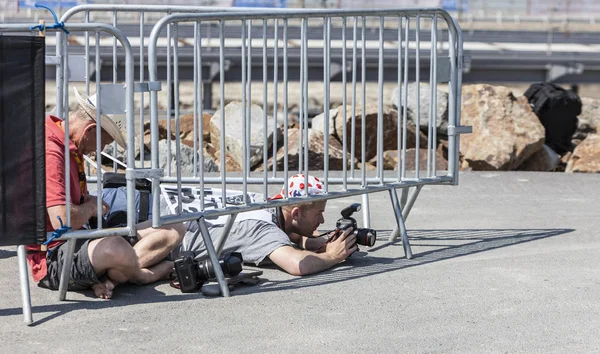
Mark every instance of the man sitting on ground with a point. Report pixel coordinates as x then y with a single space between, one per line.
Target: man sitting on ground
286 238
101 263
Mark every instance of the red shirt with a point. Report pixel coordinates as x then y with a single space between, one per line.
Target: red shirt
55 186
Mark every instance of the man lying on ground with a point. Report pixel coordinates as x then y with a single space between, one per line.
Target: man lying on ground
283 237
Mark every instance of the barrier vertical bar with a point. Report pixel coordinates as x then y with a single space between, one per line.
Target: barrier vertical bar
353 124
265 119
326 77
99 137
364 101
399 123
305 89
418 95
65 274
434 90
285 104
87 55
453 95
275 92
244 116
302 98
222 94
195 105
177 115
87 68
142 59
249 121
114 76
405 98
344 109
380 105
200 100
169 94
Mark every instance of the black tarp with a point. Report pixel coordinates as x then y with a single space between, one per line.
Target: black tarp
22 143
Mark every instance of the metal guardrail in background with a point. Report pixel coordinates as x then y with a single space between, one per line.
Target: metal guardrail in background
466 11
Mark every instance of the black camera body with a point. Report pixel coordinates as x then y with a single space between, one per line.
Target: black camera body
364 237
192 273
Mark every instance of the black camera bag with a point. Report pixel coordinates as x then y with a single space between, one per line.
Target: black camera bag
143 185
557 110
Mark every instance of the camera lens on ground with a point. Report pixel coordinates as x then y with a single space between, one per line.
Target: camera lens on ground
231 266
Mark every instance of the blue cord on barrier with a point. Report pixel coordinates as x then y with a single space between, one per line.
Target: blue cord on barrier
56 24
58 232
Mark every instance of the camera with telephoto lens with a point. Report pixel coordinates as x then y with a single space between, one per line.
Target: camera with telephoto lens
192 273
364 237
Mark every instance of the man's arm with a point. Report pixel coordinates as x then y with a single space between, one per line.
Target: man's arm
308 243
302 262
80 214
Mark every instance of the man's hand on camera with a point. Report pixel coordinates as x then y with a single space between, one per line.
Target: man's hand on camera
343 246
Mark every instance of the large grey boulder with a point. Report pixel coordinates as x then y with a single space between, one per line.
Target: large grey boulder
186 159
506 132
424 100
234 141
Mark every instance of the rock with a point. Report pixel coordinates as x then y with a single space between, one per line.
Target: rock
186 127
316 148
589 119
390 160
233 132
425 98
186 159
369 166
231 164
545 159
108 149
506 132
390 129
586 156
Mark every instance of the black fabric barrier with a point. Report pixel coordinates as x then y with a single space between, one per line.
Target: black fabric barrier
22 142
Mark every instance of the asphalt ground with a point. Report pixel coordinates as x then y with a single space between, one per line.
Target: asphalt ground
504 262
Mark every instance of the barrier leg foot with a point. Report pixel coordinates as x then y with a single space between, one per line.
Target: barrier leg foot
212 254
25 296
400 224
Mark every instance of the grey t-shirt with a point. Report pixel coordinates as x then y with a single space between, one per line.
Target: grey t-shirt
254 234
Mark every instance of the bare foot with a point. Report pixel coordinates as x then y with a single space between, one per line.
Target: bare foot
104 290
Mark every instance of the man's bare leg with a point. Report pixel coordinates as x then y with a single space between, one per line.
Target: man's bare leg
115 257
155 244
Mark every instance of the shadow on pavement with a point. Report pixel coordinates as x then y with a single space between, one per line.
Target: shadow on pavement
128 294
7 254
440 244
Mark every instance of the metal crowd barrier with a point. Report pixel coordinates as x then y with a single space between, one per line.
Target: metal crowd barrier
357 57
127 91
329 20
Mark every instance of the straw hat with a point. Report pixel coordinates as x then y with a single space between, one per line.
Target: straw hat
112 125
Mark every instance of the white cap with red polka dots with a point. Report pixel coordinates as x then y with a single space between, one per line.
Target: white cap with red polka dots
297 187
